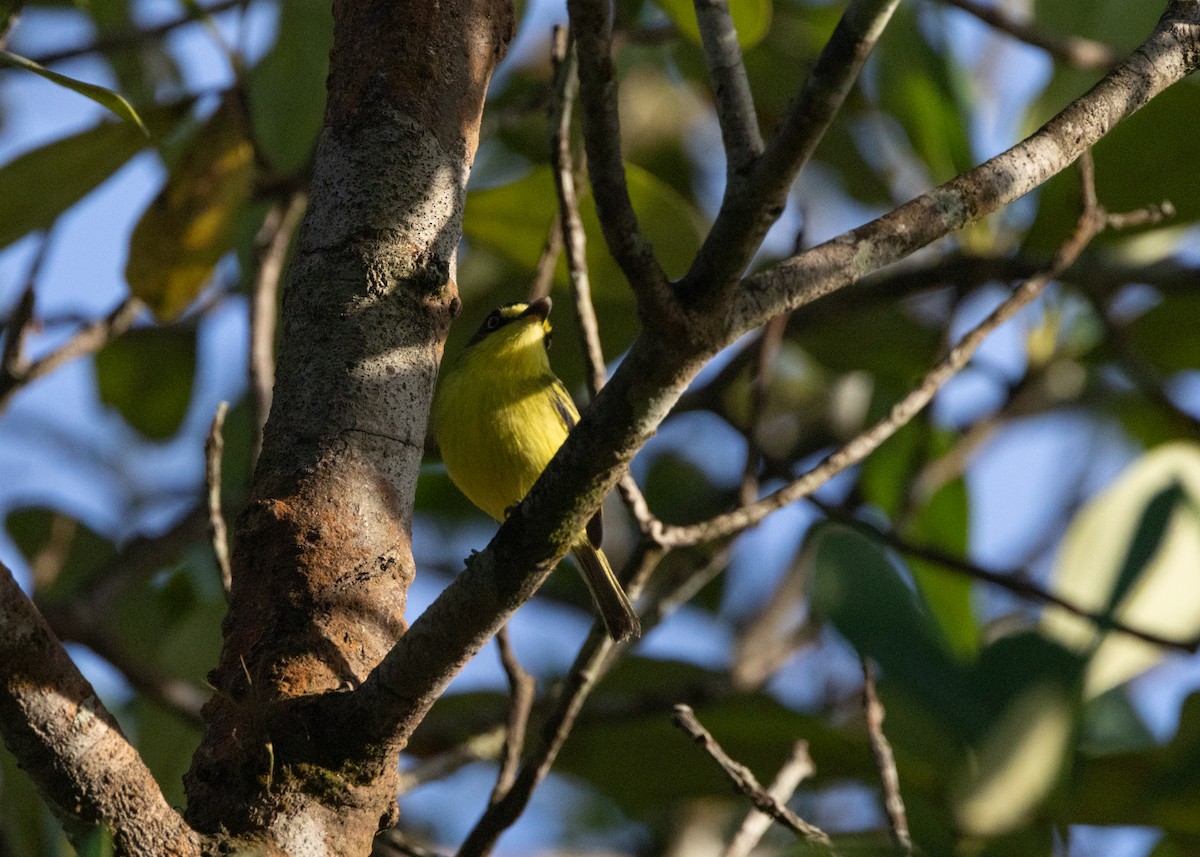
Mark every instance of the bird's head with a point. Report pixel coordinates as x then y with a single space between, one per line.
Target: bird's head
513 329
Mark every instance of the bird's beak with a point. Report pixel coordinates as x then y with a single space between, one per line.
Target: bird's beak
540 308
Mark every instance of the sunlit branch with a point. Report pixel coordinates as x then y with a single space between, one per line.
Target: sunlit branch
271 244
751 206
858 448
214 447
71 746
731 90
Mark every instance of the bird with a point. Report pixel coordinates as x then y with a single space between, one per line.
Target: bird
499 416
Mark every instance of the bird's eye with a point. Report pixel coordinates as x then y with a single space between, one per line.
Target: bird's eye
493 321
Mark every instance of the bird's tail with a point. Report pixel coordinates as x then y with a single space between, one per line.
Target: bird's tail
619 619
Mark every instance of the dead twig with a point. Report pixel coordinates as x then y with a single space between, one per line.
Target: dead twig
744 781
885 760
797 768
522 690
214 446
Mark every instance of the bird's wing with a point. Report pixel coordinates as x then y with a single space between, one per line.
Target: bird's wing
570 416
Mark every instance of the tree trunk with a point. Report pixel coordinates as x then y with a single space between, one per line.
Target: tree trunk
322 556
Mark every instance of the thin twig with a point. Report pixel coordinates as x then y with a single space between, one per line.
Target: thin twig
392 843
797 768
590 664
90 339
214 446
734 100
271 244
574 239
744 781
760 385
1090 223
1016 581
1077 51
522 690
129 39
893 803
591 24
543 274
595 657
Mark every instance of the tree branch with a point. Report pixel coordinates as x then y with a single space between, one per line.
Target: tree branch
90 339
744 781
797 768
591 25
1079 52
657 369
71 746
1170 53
522 689
731 90
893 803
749 208
214 447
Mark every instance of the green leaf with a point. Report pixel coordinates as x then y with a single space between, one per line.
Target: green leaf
287 88
922 89
40 185
191 224
855 586
104 97
751 19
64 554
147 374
1168 335
1126 553
98 843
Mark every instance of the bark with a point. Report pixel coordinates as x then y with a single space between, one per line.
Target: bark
322 557
71 746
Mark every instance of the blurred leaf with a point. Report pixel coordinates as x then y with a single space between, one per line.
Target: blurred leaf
1097 562
104 97
287 88
437 495
1168 334
63 554
944 522
882 338
1154 787
1019 763
922 89
751 19
1112 724
190 224
147 375
1133 169
39 185
680 492
98 843
29 830
855 586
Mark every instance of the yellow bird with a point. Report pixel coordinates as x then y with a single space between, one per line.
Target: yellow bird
499 416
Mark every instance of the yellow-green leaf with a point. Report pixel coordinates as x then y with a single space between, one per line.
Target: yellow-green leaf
104 97
1092 569
190 225
751 19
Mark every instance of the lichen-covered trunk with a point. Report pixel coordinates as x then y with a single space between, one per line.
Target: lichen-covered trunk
322 558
